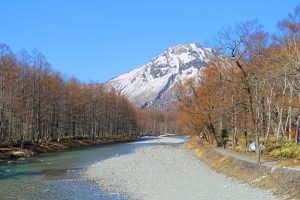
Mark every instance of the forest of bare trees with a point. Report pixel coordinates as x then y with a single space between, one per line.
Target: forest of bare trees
157 122
252 91
38 104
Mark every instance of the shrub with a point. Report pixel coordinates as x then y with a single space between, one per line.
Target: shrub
272 147
240 149
286 150
272 140
276 153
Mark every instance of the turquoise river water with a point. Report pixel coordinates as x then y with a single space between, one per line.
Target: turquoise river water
59 175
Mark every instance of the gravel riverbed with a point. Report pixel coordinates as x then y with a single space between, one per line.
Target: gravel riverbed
168 172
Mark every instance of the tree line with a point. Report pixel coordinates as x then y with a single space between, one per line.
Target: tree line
252 90
157 122
37 104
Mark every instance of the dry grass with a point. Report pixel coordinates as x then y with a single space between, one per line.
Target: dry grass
241 149
225 164
193 143
288 163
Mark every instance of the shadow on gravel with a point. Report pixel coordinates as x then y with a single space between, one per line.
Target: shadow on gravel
144 139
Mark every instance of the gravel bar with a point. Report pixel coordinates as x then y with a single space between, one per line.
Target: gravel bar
168 172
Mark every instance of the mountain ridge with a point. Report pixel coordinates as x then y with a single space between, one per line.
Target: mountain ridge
147 85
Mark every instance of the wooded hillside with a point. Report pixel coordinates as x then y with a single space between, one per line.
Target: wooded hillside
252 92
37 104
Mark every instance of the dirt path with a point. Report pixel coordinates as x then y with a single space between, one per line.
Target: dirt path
251 158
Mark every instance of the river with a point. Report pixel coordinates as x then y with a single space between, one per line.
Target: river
58 175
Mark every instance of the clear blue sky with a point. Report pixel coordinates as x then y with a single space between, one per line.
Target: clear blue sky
98 40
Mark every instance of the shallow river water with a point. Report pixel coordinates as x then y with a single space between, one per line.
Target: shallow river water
59 175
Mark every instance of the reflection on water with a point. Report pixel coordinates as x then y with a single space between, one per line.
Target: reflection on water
59 175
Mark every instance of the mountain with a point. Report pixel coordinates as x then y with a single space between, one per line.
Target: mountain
151 85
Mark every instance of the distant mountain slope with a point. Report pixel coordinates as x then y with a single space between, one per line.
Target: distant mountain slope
151 84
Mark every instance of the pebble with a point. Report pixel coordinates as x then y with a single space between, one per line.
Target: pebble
168 172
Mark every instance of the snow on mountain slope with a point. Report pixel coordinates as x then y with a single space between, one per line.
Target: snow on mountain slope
151 84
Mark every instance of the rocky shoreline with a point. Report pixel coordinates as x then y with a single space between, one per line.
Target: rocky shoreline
16 154
168 172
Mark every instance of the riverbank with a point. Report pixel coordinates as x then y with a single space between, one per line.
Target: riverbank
13 154
282 181
168 172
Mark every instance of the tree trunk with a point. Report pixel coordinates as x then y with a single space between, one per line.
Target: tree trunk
250 98
279 126
269 119
297 131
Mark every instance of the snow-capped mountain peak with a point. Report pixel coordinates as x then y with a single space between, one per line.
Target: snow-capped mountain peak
151 84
